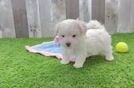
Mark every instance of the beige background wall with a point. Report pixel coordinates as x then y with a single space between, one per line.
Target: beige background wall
37 18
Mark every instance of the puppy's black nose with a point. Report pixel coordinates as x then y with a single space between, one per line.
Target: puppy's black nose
68 44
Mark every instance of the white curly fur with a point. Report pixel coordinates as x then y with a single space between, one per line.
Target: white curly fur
76 40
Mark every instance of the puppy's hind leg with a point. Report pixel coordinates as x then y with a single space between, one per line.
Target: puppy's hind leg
108 54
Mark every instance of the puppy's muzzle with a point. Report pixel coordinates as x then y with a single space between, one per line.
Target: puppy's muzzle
68 44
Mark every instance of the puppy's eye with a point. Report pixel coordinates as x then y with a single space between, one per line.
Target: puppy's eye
62 36
73 36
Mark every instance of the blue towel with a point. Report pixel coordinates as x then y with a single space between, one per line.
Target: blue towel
47 49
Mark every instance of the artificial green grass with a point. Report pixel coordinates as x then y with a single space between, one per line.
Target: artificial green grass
21 69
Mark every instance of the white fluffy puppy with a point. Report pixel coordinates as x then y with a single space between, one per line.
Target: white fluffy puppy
76 40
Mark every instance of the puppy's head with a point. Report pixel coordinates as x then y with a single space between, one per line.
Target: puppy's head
71 32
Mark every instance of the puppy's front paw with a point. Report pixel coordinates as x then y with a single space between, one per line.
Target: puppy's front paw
78 66
64 62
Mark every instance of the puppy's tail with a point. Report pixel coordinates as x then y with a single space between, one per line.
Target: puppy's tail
94 24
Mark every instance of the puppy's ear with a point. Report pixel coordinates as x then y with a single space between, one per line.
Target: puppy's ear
82 27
